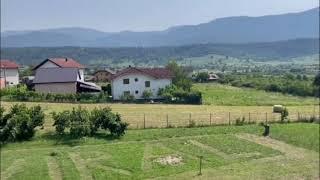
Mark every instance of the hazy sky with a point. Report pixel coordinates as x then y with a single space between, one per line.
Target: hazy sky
135 15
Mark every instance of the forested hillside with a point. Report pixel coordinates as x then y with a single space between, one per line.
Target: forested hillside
281 51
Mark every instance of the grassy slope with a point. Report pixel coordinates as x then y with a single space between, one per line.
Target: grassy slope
132 157
216 94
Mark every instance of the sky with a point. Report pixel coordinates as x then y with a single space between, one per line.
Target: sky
134 15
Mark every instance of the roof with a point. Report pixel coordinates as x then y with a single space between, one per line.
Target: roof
105 70
63 63
56 75
158 73
8 64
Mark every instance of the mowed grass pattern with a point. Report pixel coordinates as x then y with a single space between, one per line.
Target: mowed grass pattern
134 156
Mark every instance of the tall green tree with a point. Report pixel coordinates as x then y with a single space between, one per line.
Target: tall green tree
180 78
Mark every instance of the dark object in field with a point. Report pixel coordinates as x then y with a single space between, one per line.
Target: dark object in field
266 130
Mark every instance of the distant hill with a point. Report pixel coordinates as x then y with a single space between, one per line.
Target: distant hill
224 30
281 51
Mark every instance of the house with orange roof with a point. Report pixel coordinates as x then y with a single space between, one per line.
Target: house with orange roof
9 73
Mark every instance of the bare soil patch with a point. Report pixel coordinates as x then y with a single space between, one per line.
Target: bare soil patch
172 160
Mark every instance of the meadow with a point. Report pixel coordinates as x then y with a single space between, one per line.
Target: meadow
232 152
222 105
217 94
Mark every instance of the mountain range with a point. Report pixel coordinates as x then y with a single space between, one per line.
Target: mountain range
232 30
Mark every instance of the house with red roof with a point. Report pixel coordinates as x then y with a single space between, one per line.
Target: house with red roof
9 73
61 76
61 63
134 82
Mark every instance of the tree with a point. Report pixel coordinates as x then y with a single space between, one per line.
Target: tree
180 78
202 77
147 94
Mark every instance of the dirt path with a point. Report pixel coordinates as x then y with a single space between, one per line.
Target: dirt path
146 163
55 172
16 167
81 166
288 150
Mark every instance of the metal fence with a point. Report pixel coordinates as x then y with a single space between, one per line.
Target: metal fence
164 120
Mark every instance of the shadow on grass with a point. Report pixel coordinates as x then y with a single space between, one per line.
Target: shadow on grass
69 140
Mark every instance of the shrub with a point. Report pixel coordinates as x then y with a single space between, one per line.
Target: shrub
173 94
105 119
79 122
284 114
127 98
61 121
147 94
20 122
83 122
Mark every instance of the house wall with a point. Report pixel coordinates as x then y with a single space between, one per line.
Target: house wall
118 87
57 88
12 76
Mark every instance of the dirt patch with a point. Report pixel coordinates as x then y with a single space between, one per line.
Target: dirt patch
54 169
172 160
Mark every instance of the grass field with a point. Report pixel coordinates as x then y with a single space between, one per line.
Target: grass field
163 115
217 94
229 152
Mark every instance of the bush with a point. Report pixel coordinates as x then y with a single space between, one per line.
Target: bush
127 98
147 94
82 122
20 122
284 115
173 94
61 121
79 122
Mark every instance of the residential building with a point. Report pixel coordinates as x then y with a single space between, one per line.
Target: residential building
103 75
9 73
61 81
62 63
134 81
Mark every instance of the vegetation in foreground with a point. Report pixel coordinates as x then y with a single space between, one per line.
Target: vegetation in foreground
169 153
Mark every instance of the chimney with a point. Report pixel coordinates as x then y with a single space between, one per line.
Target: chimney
66 59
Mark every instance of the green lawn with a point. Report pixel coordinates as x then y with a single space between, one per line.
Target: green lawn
228 152
217 94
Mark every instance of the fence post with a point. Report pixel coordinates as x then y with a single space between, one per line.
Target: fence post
210 118
249 117
144 120
298 116
266 117
229 119
190 119
167 120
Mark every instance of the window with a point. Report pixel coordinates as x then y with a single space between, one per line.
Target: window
137 92
126 81
126 93
136 79
147 83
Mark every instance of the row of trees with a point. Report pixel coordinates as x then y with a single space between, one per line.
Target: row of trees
299 85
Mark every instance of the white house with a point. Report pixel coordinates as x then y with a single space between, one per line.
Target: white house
9 73
62 63
135 81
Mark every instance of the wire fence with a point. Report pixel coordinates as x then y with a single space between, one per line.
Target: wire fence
165 120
